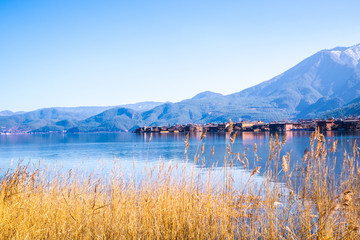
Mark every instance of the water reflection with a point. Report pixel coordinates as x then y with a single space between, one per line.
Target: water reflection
91 150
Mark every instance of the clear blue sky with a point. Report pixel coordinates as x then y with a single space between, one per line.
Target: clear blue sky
77 53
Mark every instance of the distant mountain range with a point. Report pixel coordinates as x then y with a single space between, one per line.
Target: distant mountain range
58 118
326 84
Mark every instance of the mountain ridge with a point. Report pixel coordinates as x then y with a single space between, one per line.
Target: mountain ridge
326 80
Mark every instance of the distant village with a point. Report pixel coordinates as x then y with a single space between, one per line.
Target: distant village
352 124
259 126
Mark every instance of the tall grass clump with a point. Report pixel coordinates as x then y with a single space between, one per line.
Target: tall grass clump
307 201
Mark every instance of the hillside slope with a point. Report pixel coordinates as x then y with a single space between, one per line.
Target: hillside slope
350 109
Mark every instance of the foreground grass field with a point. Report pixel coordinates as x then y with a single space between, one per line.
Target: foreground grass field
312 203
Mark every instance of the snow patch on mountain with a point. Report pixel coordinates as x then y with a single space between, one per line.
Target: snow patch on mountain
349 56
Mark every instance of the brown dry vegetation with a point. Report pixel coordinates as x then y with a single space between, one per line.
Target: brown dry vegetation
312 204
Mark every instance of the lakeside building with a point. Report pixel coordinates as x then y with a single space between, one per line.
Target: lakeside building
280 126
325 125
259 126
346 125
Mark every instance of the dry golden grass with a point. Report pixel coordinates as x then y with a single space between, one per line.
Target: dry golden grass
312 203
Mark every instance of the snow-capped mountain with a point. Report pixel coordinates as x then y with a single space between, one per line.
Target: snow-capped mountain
328 74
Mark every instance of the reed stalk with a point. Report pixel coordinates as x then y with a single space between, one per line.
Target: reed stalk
306 202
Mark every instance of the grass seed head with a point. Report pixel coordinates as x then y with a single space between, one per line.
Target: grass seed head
150 137
230 127
186 143
285 165
202 148
233 137
203 134
333 148
255 171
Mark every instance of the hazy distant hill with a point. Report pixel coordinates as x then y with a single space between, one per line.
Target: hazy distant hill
141 106
86 112
37 119
115 119
322 106
207 95
6 113
62 118
350 109
83 112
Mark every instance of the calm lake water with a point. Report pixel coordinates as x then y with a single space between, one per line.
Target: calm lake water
133 151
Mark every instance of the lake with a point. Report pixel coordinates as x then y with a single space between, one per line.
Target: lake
99 151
